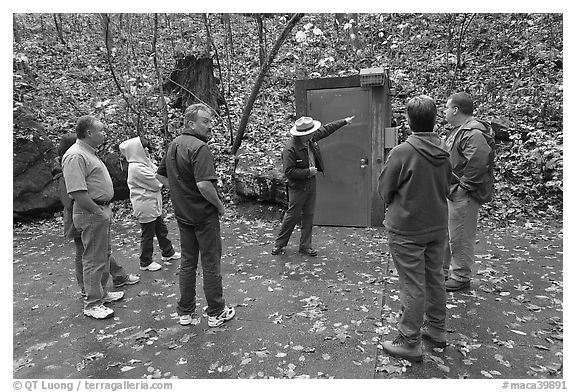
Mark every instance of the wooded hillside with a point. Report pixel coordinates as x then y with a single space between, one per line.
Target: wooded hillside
124 68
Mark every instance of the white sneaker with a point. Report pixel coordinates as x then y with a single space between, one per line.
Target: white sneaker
113 296
227 314
186 319
175 256
99 312
154 266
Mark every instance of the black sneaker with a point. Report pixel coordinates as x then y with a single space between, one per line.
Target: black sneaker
308 252
456 285
277 250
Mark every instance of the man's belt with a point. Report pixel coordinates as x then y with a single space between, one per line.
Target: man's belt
102 203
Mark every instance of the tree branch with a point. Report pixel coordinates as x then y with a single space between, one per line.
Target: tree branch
106 23
220 75
248 108
159 78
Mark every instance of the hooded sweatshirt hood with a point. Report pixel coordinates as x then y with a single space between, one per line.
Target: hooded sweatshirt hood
133 151
430 146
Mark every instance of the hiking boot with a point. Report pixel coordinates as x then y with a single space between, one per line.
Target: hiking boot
113 296
227 314
130 279
308 252
153 266
455 285
438 339
99 312
277 250
399 347
175 256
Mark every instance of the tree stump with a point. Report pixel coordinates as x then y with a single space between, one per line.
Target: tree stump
193 81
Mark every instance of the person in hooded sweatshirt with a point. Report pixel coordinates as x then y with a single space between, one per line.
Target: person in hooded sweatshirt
146 201
414 185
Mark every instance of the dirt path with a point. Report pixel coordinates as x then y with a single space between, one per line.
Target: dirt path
297 317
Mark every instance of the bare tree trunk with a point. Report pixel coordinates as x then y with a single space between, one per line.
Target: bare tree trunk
105 21
356 44
160 81
449 39
337 25
58 25
105 25
261 45
171 36
42 25
16 30
463 28
248 108
229 33
207 27
211 42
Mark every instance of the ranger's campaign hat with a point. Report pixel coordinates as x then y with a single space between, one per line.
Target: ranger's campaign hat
304 126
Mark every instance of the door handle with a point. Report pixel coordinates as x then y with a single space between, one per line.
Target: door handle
363 163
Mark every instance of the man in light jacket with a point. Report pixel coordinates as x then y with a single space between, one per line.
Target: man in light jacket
146 201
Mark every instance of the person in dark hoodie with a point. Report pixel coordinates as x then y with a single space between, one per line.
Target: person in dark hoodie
470 146
414 185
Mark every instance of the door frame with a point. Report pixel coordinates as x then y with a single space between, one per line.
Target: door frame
380 114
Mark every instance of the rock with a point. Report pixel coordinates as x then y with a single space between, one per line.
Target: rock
118 169
259 176
501 125
34 191
35 194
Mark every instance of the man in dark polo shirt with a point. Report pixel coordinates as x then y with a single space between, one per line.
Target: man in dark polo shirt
89 184
188 171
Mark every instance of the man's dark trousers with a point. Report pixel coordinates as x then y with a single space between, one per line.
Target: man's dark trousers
301 205
201 239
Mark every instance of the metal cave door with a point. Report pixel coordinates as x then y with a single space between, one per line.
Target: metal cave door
343 192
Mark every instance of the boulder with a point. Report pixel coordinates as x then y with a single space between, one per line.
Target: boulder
118 169
34 191
259 176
